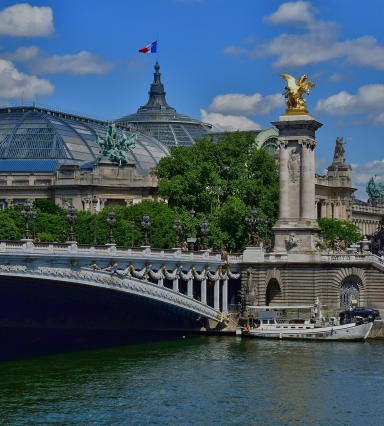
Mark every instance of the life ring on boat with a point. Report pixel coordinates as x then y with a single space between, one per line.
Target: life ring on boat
247 328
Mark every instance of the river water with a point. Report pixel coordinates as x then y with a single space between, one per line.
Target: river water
199 381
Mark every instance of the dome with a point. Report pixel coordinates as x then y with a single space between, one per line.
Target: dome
36 132
157 119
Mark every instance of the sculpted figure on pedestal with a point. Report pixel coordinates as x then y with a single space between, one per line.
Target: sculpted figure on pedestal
294 92
294 165
339 151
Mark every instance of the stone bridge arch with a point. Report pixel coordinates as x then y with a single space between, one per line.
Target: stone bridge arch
273 288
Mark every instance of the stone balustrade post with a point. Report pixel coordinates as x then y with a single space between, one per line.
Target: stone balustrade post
225 296
204 291
190 288
216 302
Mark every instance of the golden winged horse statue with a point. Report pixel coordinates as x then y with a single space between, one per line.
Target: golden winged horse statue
294 92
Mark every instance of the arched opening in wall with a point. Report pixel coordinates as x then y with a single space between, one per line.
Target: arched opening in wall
349 289
273 294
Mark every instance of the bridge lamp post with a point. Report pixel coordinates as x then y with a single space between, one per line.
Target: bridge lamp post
266 222
63 201
34 215
146 224
133 227
204 231
95 201
177 229
111 222
192 213
27 214
71 217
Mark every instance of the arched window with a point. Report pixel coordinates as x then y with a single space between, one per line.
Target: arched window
270 145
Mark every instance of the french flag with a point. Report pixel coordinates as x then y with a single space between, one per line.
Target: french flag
151 48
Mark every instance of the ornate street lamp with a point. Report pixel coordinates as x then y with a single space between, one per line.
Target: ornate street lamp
146 224
253 239
204 231
177 229
266 230
133 226
192 213
27 214
71 217
63 201
111 222
95 202
34 215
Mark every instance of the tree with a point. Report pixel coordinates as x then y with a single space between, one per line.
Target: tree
332 228
209 175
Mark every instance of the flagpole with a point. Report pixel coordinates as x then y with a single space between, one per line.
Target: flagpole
157 46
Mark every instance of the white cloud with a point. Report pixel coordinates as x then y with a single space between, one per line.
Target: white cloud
229 122
14 84
336 77
23 20
321 166
299 13
369 98
320 43
240 104
39 62
362 173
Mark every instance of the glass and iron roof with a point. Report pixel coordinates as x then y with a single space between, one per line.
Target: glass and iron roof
157 119
32 132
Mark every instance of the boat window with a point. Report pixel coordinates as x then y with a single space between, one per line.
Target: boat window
279 326
285 327
271 322
265 321
307 327
293 327
299 327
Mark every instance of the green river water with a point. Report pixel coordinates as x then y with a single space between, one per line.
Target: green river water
199 381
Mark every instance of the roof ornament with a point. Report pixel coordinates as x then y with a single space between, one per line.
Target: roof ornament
294 93
375 191
339 151
116 148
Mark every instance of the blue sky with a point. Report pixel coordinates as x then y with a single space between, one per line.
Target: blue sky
220 61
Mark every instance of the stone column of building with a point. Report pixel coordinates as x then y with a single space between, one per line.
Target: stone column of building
323 208
102 203
336 210
283 178
204 291
87 203
216 291
9 202
128 201
307 184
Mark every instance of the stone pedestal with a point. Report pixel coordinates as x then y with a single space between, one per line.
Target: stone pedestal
297 226
253 254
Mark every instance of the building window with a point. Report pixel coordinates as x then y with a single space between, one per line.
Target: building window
270 145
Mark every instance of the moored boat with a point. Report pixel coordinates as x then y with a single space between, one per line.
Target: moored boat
283 323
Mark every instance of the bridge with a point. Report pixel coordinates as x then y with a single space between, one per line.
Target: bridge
187 288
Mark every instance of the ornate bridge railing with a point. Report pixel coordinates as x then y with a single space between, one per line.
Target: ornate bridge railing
137 271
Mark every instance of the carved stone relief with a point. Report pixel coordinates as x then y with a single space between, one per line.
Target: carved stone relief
294 165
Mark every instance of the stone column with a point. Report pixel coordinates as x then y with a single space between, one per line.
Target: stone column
128 201
9 202
102 203
216 303
336 210
323 209
284 179
225 296
87 202
190 288
305 181
204 291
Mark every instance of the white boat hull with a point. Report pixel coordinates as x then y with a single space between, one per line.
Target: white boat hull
338 332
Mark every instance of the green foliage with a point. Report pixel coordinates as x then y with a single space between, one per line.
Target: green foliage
47 206
220 181
332 228
45 237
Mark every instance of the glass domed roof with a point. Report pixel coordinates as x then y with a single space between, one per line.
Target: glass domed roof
157 119
35 132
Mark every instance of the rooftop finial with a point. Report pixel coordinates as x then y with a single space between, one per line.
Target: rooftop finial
157 67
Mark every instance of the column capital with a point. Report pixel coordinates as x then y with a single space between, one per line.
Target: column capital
308 143
282 143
